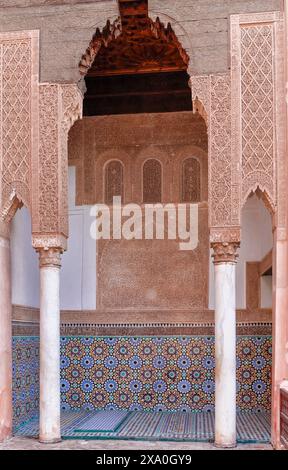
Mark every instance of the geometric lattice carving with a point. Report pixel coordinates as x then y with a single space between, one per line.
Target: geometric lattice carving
113 181
257 108
16 96
191 186
152 181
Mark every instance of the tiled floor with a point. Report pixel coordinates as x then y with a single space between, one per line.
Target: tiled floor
21 443
164 426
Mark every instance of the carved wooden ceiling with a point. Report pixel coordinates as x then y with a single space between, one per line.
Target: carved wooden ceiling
134 44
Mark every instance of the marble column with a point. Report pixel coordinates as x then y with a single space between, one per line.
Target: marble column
224 258
279 328
50 263
5 335
280 287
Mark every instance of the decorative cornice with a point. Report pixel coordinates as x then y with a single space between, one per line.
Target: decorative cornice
225 252
31 329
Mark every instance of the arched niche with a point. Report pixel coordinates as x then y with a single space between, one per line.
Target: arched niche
152 181
113 181
191 180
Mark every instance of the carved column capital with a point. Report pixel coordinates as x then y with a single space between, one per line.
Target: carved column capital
50 258
225 252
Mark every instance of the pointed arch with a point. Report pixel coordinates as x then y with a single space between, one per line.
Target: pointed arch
262 194
113 180
13 203
191 180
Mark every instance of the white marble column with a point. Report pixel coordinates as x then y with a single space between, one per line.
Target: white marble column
5 335
225 343
279 329
49 345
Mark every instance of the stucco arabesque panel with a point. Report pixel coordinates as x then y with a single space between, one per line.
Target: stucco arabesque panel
246 132
258 97
19 65
59 107
212 99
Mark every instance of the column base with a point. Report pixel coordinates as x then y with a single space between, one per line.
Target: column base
5 437
225 446
50 441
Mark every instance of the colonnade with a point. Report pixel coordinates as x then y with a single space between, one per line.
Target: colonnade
224 256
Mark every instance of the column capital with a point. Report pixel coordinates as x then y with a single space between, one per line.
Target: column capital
50 257
225 252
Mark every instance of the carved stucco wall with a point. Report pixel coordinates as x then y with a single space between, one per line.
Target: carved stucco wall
132 140
34 125
153 274
144 274
214 94
258 100
59 107
19 95
244 151
244 112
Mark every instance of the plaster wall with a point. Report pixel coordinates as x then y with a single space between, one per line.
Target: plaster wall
78 274
266 291
256 242
24 262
